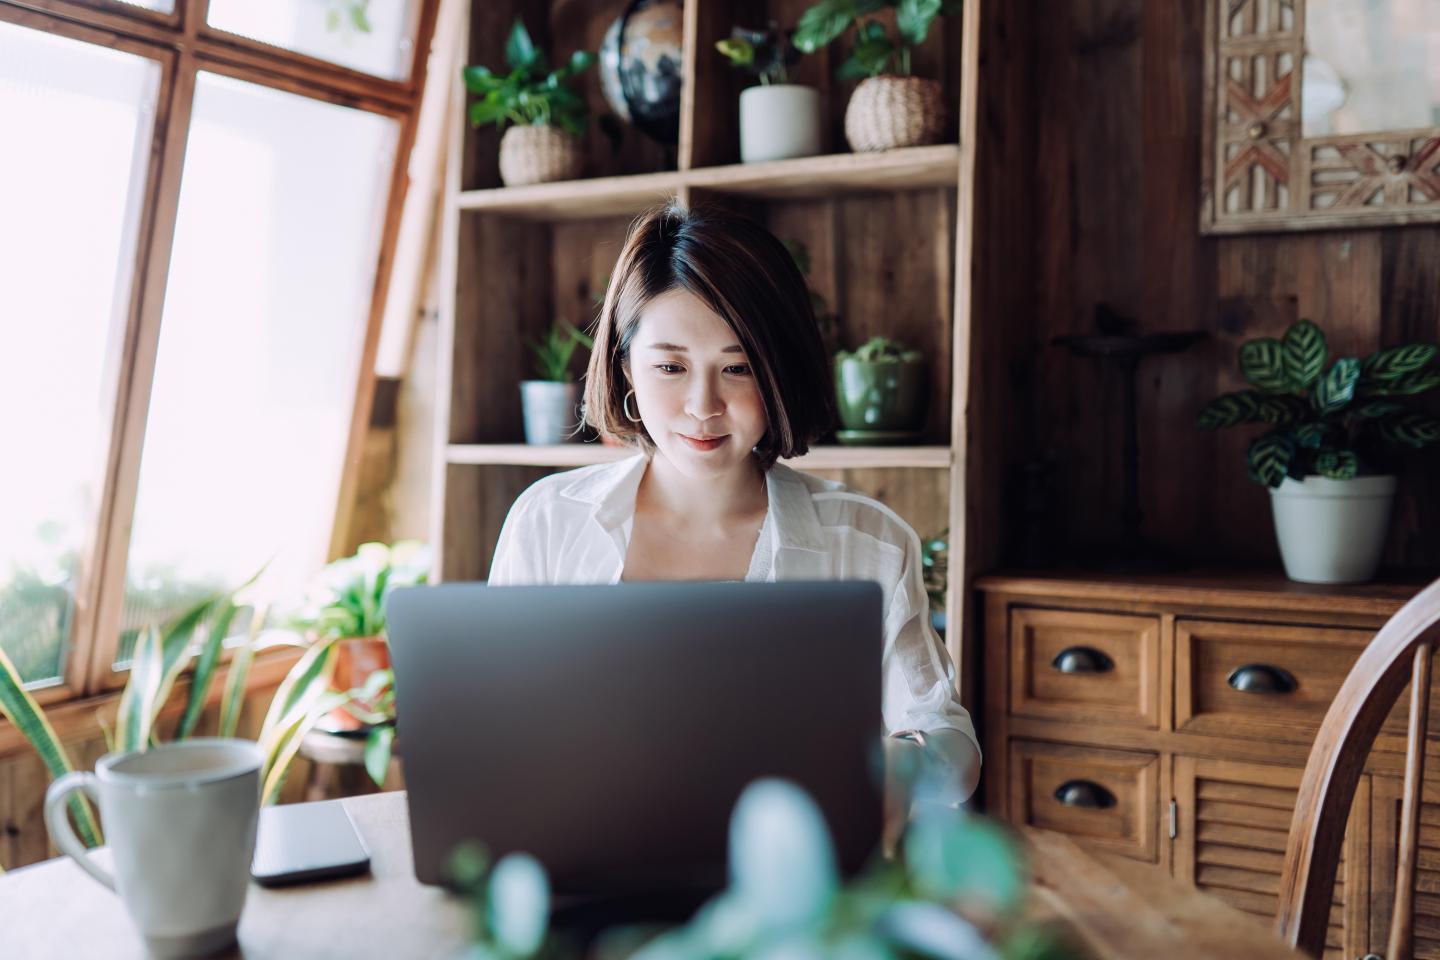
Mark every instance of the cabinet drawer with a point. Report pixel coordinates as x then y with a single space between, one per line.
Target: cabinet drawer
1094 667
1107 799
1259 681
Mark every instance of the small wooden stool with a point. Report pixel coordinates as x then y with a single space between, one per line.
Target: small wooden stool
337 766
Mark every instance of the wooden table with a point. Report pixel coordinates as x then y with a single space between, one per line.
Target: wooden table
1114 907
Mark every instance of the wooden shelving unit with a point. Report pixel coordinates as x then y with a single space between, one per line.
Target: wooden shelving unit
888 236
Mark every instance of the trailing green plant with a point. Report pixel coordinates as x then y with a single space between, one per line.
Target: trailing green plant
529 93
1337 419
872 51
955 893
880 349
554 351
768 53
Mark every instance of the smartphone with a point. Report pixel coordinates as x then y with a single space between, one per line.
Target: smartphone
307 841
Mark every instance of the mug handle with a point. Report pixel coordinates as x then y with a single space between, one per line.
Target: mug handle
59 824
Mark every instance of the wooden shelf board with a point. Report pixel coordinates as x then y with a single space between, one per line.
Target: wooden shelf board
584 454
907 169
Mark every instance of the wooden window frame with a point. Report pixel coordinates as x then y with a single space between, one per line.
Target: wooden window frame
183 45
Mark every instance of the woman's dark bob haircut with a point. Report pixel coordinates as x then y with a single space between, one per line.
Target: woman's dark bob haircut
738 269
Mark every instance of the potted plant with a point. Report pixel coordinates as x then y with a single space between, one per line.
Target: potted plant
956 891
778 119
346 606
890 107
1335 437
551 402
880 392
548 115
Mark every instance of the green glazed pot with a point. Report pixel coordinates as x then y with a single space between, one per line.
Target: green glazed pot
880 396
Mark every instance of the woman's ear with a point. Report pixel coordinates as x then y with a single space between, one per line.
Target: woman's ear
625 369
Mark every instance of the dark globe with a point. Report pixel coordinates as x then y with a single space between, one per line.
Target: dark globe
640 67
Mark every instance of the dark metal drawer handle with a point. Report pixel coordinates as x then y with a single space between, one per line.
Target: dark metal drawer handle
1083 793
1262 678
1082 660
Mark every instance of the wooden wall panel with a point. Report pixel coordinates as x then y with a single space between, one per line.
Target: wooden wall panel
1114 177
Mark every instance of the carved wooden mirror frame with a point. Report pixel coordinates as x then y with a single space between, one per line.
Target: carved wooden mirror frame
1259 173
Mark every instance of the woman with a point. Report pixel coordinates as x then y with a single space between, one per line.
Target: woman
708 359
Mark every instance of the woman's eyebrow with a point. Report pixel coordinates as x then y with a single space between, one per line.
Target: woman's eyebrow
676 348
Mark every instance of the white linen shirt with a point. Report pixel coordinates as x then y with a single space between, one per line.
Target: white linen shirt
574 527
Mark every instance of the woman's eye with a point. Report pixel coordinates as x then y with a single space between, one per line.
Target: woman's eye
669 368
738 369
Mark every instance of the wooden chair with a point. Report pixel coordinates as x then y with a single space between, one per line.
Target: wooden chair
1400 653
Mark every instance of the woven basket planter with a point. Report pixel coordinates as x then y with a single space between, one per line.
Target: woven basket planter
889 112
539 154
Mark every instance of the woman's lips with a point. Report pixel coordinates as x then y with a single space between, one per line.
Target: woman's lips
702 443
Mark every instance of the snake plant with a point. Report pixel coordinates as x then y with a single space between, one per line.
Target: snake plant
1335 418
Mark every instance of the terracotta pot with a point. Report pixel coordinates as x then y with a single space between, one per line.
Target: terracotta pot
355 659
889 112
540 154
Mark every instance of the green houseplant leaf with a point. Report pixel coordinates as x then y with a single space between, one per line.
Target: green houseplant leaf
1411 430
1269 458
1336 388
1228 409
823 22
520 52
1405 385
1397 361
1338 464
1303 353
913 19
1262 362
20 708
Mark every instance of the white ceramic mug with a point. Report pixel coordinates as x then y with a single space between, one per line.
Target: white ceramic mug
180 822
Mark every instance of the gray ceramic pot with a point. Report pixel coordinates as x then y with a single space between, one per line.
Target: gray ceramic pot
552 411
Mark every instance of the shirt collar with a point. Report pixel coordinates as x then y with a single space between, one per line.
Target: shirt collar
611 491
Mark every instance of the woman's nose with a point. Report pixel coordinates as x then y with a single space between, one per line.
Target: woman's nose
703 401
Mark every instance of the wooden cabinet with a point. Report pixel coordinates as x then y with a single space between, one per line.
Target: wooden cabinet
1169 719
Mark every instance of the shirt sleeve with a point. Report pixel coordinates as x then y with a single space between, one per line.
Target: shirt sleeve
523 545
919 676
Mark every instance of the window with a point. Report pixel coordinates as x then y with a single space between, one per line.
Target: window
86 115
189 251
270 280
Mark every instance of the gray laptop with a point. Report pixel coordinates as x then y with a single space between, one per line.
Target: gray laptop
609 730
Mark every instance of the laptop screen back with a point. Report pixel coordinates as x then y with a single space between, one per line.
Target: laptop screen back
609 730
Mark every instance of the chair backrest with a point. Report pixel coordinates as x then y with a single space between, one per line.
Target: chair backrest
1399 654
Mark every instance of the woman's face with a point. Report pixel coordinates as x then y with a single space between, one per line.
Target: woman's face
694 388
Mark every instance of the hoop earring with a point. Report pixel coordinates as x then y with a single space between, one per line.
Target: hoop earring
625 406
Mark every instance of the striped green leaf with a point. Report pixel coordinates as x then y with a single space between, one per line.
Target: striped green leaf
1411 430
139 700
295 708
205 666
377 752
1312 435
1338 464
17 706
1282 410
232 701
1406 385
1397 361
1262 362
1336 388
1376 408
1303 353
1230 409
1269 458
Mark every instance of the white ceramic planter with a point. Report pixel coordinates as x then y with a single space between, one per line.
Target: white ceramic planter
1332 531
779 121
552 410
